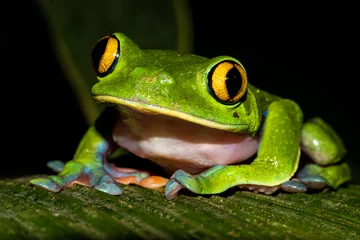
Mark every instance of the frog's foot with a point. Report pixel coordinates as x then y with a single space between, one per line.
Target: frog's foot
179 180
89 174
315 177
304 184
92 175
196 184
133 176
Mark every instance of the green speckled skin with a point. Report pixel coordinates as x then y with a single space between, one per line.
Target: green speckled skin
173 80
277 158
175 84
321 142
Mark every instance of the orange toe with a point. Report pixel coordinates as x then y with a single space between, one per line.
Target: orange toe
149 182
153 182
127 180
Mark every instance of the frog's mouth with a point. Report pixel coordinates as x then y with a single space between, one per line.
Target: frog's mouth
154 109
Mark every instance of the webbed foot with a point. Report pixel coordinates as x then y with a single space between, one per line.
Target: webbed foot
198 184
307 180
179 180
304 184
96 175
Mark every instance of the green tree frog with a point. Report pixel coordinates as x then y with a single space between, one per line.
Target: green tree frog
202 122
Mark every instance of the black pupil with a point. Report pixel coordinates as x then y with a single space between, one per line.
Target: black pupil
97 53
233 82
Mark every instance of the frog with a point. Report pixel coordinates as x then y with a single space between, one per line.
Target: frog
201 121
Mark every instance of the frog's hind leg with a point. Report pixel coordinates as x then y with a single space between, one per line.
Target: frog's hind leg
304 182
318 177
321 143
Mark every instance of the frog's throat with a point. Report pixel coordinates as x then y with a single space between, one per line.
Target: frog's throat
153 109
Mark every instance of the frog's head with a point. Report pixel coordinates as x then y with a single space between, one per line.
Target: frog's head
210 92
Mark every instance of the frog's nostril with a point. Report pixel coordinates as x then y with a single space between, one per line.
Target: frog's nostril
165 79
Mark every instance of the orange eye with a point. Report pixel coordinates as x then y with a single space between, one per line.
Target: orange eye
227 82
105 55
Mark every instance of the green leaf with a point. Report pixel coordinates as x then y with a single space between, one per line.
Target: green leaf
81 212
76 26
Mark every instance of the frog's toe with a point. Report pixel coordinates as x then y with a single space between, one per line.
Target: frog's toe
47 184
55 183
181 179
314 181
56 165
108 185
188 181
294 186
102 181
153 182
172 188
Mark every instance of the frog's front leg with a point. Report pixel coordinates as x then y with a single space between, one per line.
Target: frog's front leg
89 160
276 161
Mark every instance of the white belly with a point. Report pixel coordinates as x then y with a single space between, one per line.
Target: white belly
176 144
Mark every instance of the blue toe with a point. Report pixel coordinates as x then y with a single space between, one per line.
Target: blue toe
56 165
109 186
172 188
293 186
46 184
314 181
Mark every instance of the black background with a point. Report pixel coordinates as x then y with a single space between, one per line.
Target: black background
304 52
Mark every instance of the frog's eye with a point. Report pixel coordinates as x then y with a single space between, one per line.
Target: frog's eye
105 55
227 82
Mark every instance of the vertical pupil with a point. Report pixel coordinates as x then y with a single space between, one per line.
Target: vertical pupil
233 82
98 52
